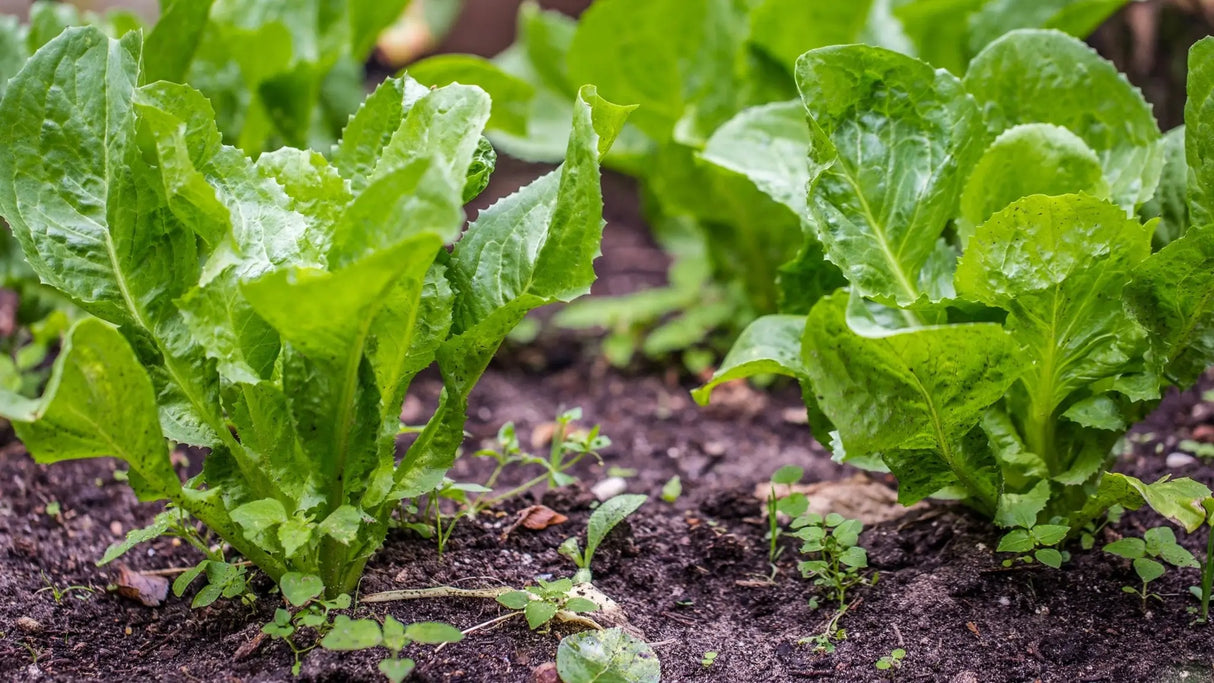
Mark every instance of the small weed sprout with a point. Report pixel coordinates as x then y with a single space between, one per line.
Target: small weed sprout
539 604
1087 538
1207 572
1144 553
602 521
1035 543
794 505
349 634
60 593
569 447
893 660
709 659
303 592
672 489
838 560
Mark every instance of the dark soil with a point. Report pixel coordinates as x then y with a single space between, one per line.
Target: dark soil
687 573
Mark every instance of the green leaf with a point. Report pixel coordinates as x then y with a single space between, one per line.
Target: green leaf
1050 557
668 56
1035 259
1021 509
98 403
1158 537
1015 541
672 489
172 42
396 670
891 142
911 396
577 605
770 345
1076 17
1148 570
299 588
1177 556
539 612
610 656
431 632
788 474
1199 131
854 557
1130 548
352 634
342 524
183 580
768 144
515 599
1031 76
1170 203
1171 297
1050 534
1032 158
394 634
784 29
511 95
1177 499
606 516
159 527
258 519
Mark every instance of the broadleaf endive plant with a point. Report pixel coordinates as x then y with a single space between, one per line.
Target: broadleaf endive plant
1006 318
275 311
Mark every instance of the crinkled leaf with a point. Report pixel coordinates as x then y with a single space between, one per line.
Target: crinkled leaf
1199 131
610 656
769 345
891 140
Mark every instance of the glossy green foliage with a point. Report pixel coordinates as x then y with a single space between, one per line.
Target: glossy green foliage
719 142
1006 318
275 311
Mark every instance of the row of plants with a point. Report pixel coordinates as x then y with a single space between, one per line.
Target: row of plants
701 71
997 267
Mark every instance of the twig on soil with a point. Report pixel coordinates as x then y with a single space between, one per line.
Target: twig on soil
436 592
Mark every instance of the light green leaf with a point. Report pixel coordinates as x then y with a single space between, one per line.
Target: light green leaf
1050 534
785 29
1015 541
1021 509
514 599
158 527
605 518
892 140
788 474
1050 557
172 42
258 519
342 524
1170 203
394 634
610 656
1033 76
1032 158
396 670
1076 17
1172 297
769 345
1199 131
768 144
299 588
911 396
433 632
1130 548
1054 263
1147 569
511 95
98 403
352 634
293 535
1177 499
539 612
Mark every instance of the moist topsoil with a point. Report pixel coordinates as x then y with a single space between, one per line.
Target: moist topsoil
691 575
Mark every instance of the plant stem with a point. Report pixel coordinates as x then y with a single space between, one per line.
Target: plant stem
1207 574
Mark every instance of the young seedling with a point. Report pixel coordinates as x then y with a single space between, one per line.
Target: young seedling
838 561
303 592
1156 544
1035 543
542 602
349 634
672 489
708 659
602 521
59 593
893 660
1087 538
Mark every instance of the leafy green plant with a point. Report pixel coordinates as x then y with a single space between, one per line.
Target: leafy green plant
540 603
608 655
275 311
1035 543
1158 543
1006 318
363 634
705 62
836 565
604 518
893 660
709 659
59 593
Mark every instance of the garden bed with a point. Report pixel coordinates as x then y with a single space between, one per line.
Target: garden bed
689 574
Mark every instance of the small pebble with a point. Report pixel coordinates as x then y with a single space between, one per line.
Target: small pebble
116 528
609 488
29 624
1003 600
1176 460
